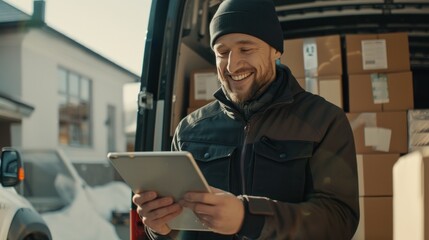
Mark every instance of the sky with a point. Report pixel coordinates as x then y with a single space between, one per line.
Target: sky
114 29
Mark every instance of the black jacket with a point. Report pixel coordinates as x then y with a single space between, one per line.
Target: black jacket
289 153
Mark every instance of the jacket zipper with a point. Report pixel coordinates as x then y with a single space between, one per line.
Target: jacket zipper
242 159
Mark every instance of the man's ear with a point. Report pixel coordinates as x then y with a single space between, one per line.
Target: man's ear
277 54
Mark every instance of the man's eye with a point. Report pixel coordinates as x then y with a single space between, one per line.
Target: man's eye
222 54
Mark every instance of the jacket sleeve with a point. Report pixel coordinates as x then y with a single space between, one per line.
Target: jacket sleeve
154 236
331 208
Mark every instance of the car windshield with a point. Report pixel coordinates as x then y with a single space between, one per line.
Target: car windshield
48 183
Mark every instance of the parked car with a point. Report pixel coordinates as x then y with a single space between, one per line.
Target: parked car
18 219
65 201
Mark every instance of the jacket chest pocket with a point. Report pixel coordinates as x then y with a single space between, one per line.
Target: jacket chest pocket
214 162
280 169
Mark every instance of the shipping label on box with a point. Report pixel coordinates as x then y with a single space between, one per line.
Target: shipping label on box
374 54
378 138
310 57
379 132
205 85
380 90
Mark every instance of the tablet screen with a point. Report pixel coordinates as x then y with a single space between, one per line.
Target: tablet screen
168 173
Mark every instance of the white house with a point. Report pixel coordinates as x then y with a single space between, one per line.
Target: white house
71 95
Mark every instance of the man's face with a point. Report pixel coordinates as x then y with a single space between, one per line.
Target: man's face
245 65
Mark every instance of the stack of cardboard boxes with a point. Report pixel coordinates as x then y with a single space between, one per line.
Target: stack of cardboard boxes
380 91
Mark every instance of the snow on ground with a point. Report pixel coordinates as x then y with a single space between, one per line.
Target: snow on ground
88 216
112 196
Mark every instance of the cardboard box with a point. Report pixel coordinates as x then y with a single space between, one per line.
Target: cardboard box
375 174
369 53
328 87
203 84
376 219
312 57
418 129
380 92
411 196
379 132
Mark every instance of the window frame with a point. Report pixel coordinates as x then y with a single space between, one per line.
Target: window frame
81 138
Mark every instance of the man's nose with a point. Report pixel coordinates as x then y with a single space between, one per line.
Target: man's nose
233 61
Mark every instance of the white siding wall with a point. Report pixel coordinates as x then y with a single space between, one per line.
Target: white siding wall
42 54
10 62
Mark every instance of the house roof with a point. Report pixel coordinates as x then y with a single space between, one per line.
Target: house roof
13 108
10 14
11 17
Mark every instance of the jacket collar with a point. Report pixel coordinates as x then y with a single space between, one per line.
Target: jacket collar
282 90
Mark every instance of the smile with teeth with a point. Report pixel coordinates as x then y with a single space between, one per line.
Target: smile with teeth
240 76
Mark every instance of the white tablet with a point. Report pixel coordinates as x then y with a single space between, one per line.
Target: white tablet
168 173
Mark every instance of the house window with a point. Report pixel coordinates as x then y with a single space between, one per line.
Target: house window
74 109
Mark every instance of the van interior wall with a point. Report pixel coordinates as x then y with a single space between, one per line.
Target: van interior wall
421 88
188 61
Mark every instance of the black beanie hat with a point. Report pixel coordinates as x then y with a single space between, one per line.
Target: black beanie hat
253 17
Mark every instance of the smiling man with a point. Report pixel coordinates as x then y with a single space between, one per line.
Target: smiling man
281 161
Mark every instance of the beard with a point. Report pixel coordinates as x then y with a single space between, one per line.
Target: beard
259 85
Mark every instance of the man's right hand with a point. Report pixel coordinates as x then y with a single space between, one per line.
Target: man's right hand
156 212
